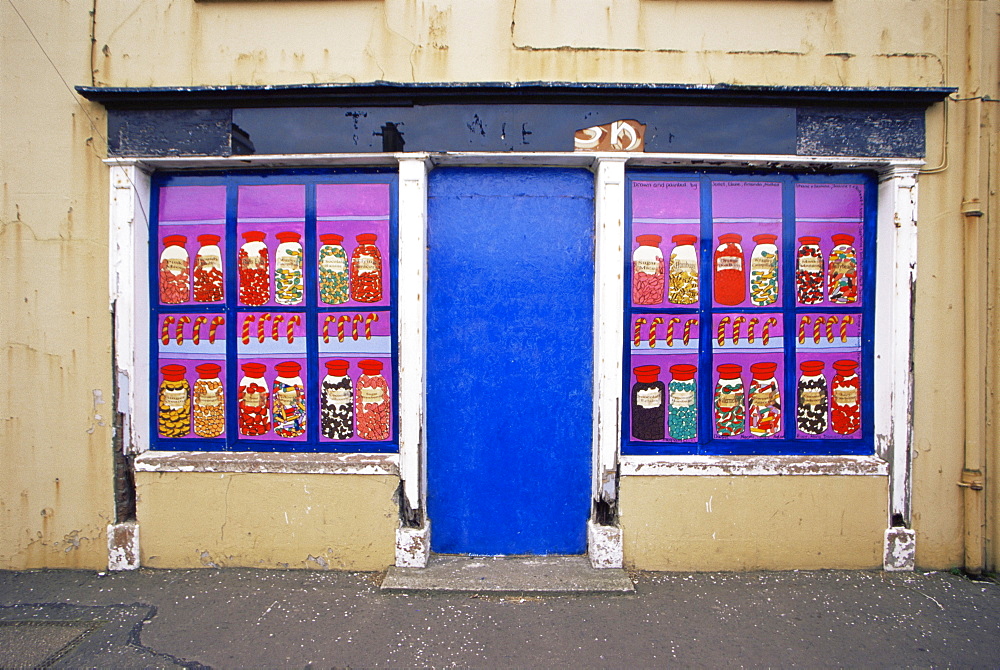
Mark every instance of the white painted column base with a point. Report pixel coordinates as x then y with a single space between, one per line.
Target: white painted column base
123 546
604 545
413 546
900 550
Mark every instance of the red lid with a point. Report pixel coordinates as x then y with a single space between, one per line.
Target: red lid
649 240
683 372
730 238
173 372
811 368
366 238
647 374
174 240
763 370
208 239
254 369
843 239
337 368
729 371
288 236
208 370
254 236
845 367
808 240
765 239
288 369
331 238
370 367
684 239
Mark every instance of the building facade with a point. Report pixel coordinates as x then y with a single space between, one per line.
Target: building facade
334 285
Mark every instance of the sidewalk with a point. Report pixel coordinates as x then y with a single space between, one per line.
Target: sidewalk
295 619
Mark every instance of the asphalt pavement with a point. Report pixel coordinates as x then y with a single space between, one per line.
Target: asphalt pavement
242 618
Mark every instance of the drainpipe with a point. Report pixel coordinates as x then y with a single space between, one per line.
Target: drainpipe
972 481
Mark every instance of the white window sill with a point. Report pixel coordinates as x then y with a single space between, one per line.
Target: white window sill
723 466
259 462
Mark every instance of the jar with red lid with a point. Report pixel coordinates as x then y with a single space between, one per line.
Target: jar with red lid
809 271
175 271
730 413
683 274
813 399
288 396
366 269
336 406
334 274
765 400
209 402
254 270
254 401
682 411
842 278
845 398
174 402
288 283
648 406
372 404
208 270
730 271
764 271
647 271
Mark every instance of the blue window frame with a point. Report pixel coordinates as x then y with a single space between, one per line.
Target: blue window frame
273 311
749 309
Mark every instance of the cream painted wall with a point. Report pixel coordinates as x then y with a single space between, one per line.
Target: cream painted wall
753 523
319 522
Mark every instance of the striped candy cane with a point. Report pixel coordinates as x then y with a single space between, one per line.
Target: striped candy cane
658 321
830 322
326 326
766 336
722 330
165 329
293 321
262 327
354 326
687 329
802 329
843 327
817 329
737 322
247 320
750 326
276 326
340 326
637 335
372 318
216 322
196 329
180 328
670 330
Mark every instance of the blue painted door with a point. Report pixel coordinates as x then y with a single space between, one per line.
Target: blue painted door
509 360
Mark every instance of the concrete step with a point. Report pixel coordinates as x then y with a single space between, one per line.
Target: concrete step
508 574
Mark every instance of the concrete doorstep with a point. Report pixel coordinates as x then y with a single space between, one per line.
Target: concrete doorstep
508 574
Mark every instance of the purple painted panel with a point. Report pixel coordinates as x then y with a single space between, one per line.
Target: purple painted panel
364 200
676 202
270 225
192 204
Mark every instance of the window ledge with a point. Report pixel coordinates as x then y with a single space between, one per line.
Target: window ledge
277 463
722 466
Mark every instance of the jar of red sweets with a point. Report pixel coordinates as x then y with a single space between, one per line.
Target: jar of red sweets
175 271
254 269
208 285
366 269
809 271
372 404
730 271
845 398
647 271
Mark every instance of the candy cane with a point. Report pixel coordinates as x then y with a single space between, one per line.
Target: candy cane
817 329
766 336
216 322
275 323
736 328
372 318
165 329
830 321
687 329
262 327
670 330
354 326
637 336
750 326
802 329
293 321
196 329
843 327
326 326
247 320
722 330
180 328
340 326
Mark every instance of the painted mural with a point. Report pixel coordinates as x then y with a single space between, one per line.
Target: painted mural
748 317
277 332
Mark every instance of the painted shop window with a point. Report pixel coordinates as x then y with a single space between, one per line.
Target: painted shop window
749 314
273 312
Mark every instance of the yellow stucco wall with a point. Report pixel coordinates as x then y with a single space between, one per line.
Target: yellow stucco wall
753 523
320 522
